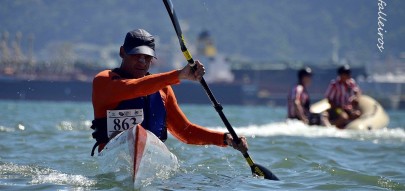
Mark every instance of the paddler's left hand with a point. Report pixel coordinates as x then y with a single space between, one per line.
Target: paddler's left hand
242 146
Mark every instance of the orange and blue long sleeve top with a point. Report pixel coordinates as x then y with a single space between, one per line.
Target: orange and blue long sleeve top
109 89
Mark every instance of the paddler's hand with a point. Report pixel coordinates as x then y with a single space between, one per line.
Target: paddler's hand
188 74
242 146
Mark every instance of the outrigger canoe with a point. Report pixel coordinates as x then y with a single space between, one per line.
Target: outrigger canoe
372 116
139 156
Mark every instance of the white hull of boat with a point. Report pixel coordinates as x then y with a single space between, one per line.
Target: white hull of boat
373 115
137 155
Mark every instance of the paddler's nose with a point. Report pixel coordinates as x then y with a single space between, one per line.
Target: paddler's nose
142 59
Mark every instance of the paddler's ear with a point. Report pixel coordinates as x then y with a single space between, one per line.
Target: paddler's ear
122 52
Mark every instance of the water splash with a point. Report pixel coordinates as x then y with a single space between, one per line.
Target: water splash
42 175
67 125
6 129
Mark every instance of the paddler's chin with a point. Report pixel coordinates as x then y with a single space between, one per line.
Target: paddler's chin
137 73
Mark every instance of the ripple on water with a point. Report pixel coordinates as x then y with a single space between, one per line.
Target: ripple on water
14 175
6 129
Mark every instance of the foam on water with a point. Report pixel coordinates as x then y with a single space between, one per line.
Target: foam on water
80 125
6 129
42 175
297 128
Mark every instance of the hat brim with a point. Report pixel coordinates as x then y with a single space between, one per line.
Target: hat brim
142 50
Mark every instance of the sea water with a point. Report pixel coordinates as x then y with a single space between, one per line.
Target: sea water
46 146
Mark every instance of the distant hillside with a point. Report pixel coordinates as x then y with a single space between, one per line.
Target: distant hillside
255 29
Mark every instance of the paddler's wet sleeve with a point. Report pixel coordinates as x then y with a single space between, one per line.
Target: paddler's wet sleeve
109 89
187 132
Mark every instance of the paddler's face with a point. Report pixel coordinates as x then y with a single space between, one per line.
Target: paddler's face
136 64
306 81
344 77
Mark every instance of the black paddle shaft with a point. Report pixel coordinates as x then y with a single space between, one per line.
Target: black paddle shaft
217 106
256 169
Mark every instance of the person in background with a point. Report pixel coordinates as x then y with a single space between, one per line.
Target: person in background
132 89
342 94
298 98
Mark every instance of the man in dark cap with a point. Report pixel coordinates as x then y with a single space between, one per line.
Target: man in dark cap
130 88
342 95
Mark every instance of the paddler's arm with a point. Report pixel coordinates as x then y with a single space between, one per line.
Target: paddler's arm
298 106
300 112
187 132
178 124
330 94
356 91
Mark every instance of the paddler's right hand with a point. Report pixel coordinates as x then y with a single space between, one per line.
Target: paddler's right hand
242 146
188 74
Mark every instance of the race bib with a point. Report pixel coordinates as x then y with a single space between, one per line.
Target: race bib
121 120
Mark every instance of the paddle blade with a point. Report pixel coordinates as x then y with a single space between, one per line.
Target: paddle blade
261 171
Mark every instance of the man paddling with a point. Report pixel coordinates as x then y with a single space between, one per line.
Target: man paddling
342 95
298 98
130 88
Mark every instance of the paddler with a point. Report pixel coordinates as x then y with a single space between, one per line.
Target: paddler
298 98
342 94
122 93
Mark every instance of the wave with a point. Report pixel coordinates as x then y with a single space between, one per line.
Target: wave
42 175
297 128
74 125
6 129
19 127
